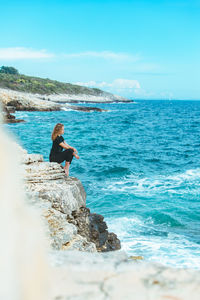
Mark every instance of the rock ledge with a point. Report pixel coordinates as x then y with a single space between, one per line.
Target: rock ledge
61 201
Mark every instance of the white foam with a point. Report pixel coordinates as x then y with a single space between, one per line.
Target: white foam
172 250
67 109
188 175
157 184
20 114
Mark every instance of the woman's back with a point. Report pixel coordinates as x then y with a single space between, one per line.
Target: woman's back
56 148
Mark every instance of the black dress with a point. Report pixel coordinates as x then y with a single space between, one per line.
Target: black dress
57 154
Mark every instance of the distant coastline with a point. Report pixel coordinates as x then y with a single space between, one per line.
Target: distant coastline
19 92
12 101
46 89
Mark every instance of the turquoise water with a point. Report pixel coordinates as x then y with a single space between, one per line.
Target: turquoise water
140 166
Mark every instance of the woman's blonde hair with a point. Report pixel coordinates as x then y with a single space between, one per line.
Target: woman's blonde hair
56 131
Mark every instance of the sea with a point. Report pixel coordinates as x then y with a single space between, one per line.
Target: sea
140 166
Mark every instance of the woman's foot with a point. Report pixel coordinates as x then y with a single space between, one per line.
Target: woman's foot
76 155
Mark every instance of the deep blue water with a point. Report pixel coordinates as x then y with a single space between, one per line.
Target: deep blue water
140 166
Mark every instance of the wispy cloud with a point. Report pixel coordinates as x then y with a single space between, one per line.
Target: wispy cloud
109 55
20 53
135 62
130 88
28 53
115 84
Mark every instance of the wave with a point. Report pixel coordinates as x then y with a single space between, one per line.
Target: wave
161 218
67 109
173 184
82 111
170 249
116 170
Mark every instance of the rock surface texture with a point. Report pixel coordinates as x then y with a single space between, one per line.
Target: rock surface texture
29 101
103 98
94 229
113 276
61 201
26 101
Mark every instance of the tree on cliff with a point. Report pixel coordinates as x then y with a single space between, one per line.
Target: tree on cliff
8 70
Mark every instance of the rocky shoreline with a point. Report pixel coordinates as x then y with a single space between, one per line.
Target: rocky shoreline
8 115
18 101
67 255
77 238
72 98
61 202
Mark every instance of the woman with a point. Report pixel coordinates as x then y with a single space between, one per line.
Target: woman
57 154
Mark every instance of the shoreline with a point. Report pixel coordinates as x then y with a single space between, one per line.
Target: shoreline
33 161
20 101
8 95
188 267
67 273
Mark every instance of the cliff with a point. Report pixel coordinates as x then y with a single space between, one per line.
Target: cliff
61 202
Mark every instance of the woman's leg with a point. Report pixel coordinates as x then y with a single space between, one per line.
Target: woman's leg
66 167
66 156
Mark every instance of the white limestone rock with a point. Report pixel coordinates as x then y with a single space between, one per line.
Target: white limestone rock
54 101
79 243
27 101
39 172
60 231
30 158
105 97
113 275
55 196
48 182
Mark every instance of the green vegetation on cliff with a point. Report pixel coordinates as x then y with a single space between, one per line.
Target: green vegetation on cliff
8 70
36 85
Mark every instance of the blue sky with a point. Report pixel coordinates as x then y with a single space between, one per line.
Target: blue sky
138 49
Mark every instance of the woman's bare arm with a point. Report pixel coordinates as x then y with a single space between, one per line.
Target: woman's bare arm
70 147
66 146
